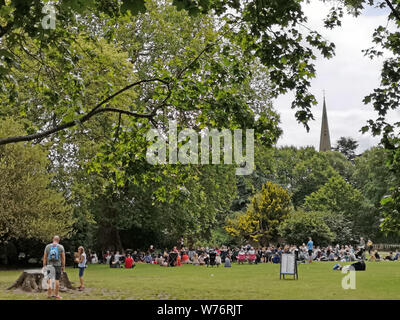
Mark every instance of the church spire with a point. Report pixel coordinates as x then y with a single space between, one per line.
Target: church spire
325 141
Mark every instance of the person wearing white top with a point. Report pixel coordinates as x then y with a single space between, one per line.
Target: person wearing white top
81 266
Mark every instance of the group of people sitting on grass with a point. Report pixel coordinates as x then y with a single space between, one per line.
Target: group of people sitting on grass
344 253
390 257
224 255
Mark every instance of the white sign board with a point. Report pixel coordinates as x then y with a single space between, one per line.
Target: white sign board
288 264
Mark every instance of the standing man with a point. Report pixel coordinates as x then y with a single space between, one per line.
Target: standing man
362 243
54 255
369 244
362 247
310 245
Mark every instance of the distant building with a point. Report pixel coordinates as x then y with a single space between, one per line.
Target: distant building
325 140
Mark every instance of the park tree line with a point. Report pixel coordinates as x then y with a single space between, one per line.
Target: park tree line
76 102
299 192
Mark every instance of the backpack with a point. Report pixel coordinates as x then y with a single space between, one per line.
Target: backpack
54 254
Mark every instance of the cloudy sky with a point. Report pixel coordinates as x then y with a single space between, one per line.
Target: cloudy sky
346 79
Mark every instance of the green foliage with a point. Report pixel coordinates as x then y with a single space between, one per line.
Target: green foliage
337 196
134 6
309 175
259 223
340 197
342 227
347 146
341 164
30 208
391 201
371 175
300 225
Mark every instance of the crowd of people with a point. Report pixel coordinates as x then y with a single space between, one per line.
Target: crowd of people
54 257
206 256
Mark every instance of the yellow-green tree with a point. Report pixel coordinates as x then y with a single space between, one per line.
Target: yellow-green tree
259 224
29 207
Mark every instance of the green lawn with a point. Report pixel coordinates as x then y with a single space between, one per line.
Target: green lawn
381 280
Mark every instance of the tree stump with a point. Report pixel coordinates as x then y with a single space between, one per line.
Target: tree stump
33 281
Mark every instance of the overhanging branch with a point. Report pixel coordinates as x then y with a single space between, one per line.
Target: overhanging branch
41 135
97 109
394 11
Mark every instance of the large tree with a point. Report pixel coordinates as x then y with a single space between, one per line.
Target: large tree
287 54
347 146
29 207
335 195
309 175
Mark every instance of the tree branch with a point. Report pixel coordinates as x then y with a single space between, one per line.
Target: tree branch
394 11
97 109
41 135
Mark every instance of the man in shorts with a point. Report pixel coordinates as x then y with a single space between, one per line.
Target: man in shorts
310 247
54 255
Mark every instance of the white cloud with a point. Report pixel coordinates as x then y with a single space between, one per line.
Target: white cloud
347 79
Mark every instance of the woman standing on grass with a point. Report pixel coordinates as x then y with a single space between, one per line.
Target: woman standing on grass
81 266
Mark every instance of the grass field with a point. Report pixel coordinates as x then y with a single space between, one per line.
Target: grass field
381 280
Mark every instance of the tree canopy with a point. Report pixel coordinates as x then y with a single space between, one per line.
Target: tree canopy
77 100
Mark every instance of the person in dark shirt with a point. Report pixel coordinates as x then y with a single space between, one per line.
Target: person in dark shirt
112 259
377 256
389 257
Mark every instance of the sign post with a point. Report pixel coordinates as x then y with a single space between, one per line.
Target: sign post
288 266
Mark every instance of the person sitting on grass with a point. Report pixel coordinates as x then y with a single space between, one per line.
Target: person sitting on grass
357 266
331 256
202 259
114 261
185 259
218 259
117 259
228 263
377 256
129 263
372 258
159 259
122 260
178 261
251 255
241 257
389 257
397 256
276 258
148 258
196 261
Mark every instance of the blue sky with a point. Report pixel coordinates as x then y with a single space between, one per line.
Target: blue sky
347 79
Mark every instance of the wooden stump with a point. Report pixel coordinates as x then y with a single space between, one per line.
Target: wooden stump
32 281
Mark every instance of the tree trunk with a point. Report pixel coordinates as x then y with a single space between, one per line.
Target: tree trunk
33 281
108 238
